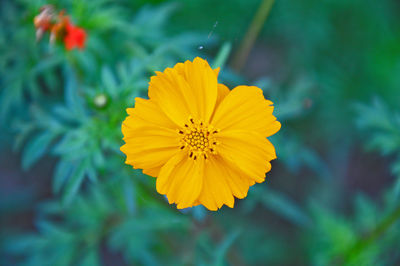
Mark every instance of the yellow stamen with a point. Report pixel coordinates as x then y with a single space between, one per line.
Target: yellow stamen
199 138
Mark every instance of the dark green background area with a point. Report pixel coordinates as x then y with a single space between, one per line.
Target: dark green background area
332 69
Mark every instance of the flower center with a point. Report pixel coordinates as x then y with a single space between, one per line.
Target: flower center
199 139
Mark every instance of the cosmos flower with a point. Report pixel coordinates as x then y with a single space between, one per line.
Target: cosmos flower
204 143
60 28
43 21
75 37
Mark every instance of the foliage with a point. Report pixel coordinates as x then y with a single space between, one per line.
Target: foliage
383 131
102 216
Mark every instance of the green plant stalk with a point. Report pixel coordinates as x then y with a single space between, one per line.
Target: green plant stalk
251 34
222 55
363 242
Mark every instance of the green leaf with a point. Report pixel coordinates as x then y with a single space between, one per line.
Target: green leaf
91 258
21 243
36 148
109 81
396 188
223 248
62 172
285 207
74 183
24 130
71 142
129 195
71 95
158 17
46 64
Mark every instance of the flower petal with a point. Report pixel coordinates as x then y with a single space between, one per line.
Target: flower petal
169 90
216 71
147 152
153 172
216 190
250 151
237 180
245 108
149 111
181 180
188 89
223 91
202 80
150 141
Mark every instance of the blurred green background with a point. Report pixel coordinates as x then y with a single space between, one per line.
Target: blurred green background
332 69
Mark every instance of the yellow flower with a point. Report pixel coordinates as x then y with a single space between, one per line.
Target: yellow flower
203 142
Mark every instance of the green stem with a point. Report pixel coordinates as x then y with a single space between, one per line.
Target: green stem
363 242
222 55
251 34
